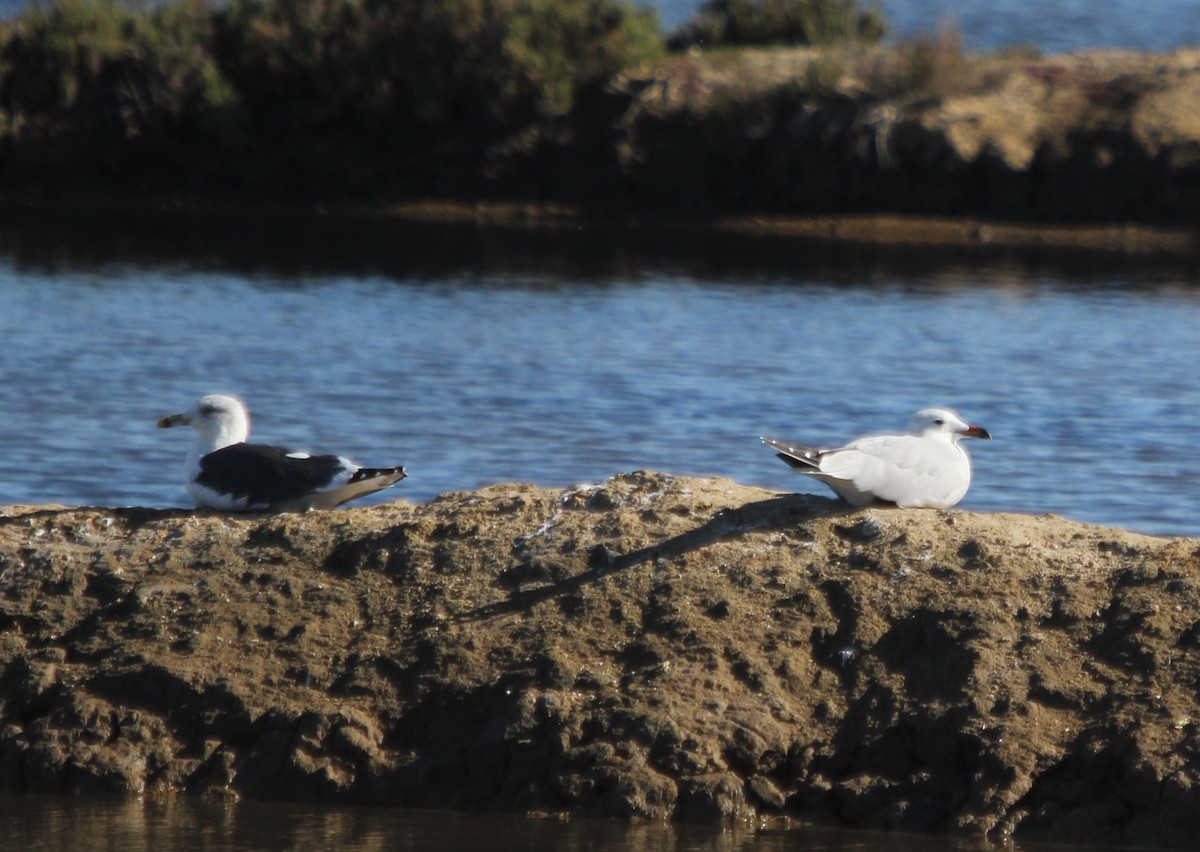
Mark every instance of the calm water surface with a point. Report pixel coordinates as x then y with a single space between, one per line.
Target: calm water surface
563 357
51 824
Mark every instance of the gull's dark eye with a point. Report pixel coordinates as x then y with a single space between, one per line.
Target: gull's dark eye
208 409
937 421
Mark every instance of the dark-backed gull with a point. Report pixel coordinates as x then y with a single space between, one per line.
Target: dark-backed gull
924 468
225 472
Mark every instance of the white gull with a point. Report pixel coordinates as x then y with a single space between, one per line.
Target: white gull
924 468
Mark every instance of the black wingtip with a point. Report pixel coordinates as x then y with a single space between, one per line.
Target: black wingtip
377 472
793 462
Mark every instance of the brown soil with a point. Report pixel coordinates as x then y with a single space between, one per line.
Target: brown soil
652 647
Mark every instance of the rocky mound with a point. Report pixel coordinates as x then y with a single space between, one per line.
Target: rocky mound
648 647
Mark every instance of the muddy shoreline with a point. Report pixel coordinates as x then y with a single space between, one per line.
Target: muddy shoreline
650 647
882 231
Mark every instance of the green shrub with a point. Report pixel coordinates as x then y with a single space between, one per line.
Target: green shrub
483 63
294 65
335 91
98 69
55 54
780 22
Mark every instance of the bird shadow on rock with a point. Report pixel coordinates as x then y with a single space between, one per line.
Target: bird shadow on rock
776 513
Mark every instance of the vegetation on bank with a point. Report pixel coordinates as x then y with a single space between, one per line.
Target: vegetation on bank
343 96
769 22
585 102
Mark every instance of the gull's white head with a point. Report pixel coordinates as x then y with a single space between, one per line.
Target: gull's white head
218 420
934 420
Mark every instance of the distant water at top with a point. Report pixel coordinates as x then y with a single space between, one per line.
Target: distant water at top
1058 27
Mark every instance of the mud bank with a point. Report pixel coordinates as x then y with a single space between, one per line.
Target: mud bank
650 647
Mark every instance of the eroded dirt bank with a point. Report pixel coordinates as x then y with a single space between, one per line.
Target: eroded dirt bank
650 647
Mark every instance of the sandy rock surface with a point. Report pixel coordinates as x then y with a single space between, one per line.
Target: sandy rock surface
651 646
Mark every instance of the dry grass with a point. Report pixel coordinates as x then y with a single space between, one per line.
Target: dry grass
928 66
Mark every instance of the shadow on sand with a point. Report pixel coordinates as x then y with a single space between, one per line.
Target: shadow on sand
776 513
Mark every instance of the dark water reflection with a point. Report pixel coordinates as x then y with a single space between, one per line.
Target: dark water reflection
286 249
52 824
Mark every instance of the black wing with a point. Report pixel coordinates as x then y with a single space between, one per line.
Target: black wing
266 475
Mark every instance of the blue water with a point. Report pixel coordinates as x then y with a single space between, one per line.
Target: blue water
476 357
1061 26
